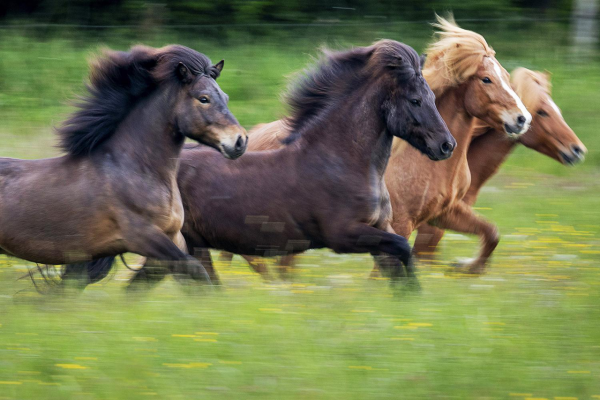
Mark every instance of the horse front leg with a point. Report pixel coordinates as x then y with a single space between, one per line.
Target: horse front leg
461 218
393 251
383 260
426 242
164 255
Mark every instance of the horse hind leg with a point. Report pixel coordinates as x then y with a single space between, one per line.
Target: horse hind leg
285 266
203 256
259 266
225 256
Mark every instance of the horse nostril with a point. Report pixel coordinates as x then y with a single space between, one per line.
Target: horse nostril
447 147
578 151
239 143
521 120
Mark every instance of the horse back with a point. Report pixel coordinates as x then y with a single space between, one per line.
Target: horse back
267 136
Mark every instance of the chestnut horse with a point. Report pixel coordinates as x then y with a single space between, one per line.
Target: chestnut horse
469 84
549 134
115 190
324 188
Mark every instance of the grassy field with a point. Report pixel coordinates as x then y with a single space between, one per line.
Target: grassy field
527 329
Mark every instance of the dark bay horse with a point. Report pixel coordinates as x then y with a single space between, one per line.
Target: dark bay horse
115 190
324 189
469 84
549 135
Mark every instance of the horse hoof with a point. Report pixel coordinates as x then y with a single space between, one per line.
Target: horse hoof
467 270
413 284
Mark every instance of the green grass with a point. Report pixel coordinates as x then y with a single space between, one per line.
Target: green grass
529 328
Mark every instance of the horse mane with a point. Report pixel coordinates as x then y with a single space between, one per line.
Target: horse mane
530 86
337 73
118 80
455 57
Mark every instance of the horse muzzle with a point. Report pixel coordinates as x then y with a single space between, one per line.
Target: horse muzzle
575 155
518 126
235 151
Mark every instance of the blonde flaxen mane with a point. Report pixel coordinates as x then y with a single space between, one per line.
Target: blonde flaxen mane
531 86
455 57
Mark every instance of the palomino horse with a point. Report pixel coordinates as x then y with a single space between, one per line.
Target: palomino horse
469 83
115 190
323 189
549 134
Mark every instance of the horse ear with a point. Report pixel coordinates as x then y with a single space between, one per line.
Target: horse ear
183 73
216 69
219 66
422 60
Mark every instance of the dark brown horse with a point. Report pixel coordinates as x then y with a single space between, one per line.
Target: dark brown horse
549 134
115 190
469 84
324 189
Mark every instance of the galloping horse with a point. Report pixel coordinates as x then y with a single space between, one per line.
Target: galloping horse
469 84
115 190
549 134
324 188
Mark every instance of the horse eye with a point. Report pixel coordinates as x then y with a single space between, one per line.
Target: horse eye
415 102
542 113
486 80
204 100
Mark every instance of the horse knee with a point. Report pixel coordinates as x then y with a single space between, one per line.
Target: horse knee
494 237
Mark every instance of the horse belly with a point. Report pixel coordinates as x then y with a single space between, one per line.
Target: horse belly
256 235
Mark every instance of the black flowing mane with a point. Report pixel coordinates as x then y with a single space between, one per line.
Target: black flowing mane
118 80
338 73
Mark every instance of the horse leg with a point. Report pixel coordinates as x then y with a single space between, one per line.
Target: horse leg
362 238
461 218
203 255
428 237
259 266
225 256
164 256
285 266
381 258
80 275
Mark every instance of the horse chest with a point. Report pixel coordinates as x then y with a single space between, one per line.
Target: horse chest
457 189
174 222
463 181
377 199
168 214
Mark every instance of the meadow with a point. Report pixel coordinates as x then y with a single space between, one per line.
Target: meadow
527 329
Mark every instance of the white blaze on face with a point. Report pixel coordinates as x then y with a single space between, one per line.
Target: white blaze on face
506 86
554 106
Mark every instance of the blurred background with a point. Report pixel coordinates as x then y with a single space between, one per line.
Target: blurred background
528 329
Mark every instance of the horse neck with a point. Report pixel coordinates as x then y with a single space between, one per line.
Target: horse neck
147 139
353 130
459 121
485 156
451 106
